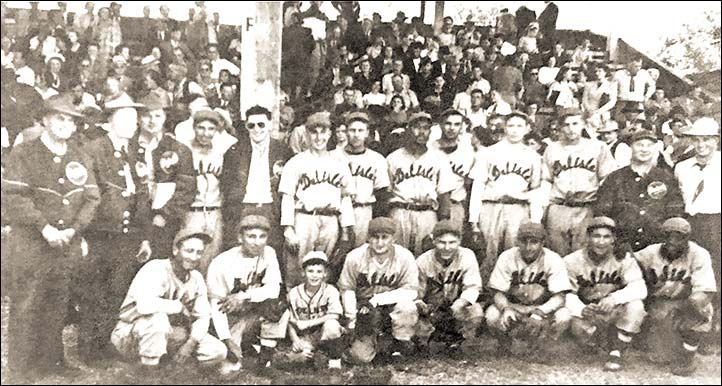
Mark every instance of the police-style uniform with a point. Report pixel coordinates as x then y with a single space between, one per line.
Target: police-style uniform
41 188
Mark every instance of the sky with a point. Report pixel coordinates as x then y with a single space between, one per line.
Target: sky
642 24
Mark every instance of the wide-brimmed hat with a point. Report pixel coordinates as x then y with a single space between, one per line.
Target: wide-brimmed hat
122 101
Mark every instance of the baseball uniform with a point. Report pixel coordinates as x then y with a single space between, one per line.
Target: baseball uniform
416 184
461 160
321 187
441 284
504 172
575 173
619 278
528 284
153 318
259 277
393 284
304 306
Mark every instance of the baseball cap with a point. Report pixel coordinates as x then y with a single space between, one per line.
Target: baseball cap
643 134
446 226
420 115
254 221
382 225
569 111
321 118
601 222
187 233
517 113
357 116
530 230
677 224
314 257
703 127
208 115
62 104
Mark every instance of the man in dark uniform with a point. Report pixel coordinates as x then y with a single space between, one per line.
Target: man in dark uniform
50 195
165 168
639 197
118 235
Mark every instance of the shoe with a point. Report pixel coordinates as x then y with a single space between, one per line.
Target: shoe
684 366
613 366
228 369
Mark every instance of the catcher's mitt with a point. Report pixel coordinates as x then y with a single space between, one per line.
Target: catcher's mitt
369 320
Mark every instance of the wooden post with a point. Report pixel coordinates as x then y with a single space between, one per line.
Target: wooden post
261 60
438 17
422 14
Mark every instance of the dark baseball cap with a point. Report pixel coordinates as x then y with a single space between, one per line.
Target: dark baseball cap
382 225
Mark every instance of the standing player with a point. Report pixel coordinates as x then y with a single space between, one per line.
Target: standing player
314 312
167 308
504 182
316 186
575 168
449 286
530 283
243 285
421 181
681 285
606 289
379 278
369 171
456 145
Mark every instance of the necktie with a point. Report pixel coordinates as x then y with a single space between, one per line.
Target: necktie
631 83
700 186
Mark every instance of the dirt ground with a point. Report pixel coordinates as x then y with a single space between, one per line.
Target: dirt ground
479 364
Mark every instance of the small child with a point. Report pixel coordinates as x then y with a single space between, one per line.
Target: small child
315 308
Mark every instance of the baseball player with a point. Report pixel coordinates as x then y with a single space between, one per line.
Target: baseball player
449 286
575 168
505 179
607 288
315 309
244 283
166 308
379 278
208 146
49 197
316 188
639 197
369 172
681 285
421 182
456 145
529 283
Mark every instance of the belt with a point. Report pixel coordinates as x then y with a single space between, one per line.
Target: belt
411 206
320 212
204 208
456 201
362 204
508 201
573 204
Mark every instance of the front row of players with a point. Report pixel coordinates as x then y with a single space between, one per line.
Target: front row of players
389 302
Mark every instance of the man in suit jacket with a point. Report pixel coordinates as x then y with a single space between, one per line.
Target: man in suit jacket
258 158
166 48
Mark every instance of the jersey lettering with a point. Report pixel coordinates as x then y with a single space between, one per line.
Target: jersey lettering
378 279
359 171
515 168
573 163
532 278
324 178
414 171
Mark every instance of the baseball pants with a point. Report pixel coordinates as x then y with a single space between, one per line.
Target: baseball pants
414 226
466 322
499 224
252 324
212 221
328 333
626 317
458 215
363 215
706 232
567 228
152 336
404 317
555 326
315 233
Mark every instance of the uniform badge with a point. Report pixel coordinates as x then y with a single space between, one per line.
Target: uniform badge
168 160
657 190
76 173
277 169
141 169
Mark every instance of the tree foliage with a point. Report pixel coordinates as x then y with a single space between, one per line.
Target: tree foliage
696 48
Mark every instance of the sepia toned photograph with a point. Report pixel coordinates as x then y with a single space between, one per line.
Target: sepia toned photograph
361 192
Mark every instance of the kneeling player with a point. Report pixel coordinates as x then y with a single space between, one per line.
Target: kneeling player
681 284
529 283
314 309
606 290
165 298
449 285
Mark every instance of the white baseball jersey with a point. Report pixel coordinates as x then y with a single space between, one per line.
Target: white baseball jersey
232 272
678 278
363 274
461 162
576 171
317 181
208 165
441 282
369 172
593 282
156 288
505 167
304 306
419 180
530 284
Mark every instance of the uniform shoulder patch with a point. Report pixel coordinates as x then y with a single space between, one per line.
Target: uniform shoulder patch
169 159
76 173
657 190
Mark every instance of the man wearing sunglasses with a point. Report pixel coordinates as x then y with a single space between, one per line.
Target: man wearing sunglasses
256 158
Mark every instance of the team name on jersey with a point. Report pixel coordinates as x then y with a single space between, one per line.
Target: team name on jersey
510 168
317 178
359 171
668 275
377 279
600 277
459 170
518 278
414 171
573 162
451 278
310 312
253 279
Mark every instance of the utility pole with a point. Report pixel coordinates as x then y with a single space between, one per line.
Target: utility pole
438 17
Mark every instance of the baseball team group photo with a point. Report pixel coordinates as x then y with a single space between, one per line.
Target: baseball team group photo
336 193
